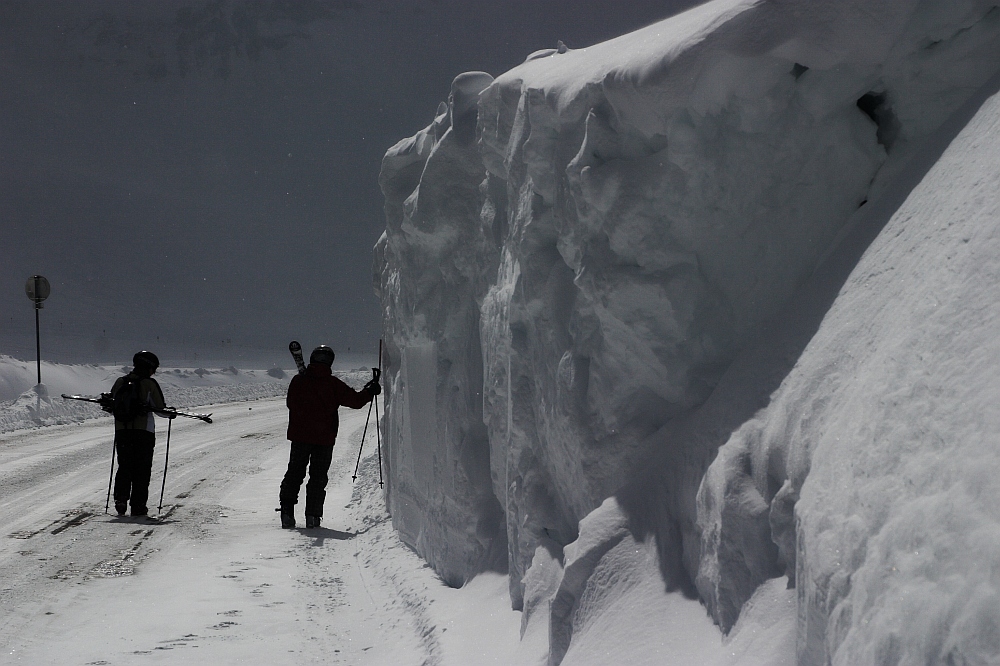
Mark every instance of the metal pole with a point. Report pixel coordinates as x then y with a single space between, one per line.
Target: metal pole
113 449
163 486
38 344
378 437
37 289
362 446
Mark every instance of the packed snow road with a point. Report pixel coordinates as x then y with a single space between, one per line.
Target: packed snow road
216 580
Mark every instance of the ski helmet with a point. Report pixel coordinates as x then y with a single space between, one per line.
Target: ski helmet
322 354
146 359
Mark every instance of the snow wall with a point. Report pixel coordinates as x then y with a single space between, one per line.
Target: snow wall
599 267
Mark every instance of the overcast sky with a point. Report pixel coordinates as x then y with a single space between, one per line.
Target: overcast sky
202 176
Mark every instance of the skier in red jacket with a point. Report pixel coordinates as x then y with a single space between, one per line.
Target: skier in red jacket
314 397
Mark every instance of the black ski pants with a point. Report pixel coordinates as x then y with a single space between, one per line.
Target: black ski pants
135 463
318 460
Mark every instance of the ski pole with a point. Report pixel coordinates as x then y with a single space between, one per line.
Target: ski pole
378 437
376 374
113 448
105 402
363 433
171 413
166 457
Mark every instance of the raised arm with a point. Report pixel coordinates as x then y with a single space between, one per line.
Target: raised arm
348 397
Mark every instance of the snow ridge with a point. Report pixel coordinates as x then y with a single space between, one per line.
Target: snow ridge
606 267
184 388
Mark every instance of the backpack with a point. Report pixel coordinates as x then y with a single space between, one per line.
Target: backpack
127 404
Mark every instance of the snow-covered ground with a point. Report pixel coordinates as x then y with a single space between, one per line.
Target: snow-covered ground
217 580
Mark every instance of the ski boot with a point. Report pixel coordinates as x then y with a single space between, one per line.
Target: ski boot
312 521
121 508
287 518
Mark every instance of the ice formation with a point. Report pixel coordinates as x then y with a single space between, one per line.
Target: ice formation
596 295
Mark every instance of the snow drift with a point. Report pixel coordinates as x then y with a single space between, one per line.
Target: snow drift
25 404
873 472
591 299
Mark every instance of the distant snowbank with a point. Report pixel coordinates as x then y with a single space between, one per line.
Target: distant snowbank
25 405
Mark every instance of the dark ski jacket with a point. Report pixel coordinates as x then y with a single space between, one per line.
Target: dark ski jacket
150 394
313 399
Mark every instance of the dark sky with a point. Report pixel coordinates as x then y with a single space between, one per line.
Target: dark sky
201 176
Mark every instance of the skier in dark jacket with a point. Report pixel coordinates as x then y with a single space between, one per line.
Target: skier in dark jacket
314 397
135 438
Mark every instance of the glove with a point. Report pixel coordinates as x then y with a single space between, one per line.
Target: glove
373 387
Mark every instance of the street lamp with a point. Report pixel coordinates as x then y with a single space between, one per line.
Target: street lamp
37 288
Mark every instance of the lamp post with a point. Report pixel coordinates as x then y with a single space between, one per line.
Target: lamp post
37 288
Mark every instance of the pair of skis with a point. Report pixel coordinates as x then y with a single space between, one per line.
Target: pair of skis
105 402
296 349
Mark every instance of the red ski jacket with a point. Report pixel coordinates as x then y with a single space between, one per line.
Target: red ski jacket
313 399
